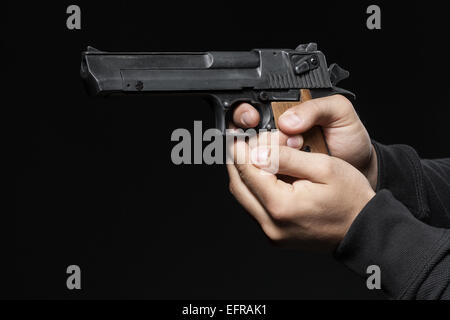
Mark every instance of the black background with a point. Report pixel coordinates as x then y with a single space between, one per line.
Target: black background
94 182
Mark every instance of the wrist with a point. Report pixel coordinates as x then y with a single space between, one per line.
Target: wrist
371 170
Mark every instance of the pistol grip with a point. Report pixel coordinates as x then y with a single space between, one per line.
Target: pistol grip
314 140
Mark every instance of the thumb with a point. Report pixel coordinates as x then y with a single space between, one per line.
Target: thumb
328 112
295 163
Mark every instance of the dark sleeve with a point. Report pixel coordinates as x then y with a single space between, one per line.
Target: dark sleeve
437 185
394 231
413 257
423 186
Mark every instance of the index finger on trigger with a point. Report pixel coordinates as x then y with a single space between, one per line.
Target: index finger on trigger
245 116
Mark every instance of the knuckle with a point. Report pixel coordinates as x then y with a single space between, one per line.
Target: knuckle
343 103
274 234
313 105
341 100
271 206
328 167
284 156
278 210
243 172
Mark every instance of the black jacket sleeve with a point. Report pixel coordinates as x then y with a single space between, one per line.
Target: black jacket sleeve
404 229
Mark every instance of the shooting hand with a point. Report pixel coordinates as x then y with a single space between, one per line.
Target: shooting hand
346 136
314 211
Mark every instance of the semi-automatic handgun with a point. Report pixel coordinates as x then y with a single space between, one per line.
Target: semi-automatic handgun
272 80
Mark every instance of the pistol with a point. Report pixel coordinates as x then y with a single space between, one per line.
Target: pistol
272 80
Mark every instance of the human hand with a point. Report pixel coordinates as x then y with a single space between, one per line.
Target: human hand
314 211
346 136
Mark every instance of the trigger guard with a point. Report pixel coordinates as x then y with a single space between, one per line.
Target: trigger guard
223 104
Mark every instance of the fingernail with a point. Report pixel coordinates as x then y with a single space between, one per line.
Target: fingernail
291 120
246 118
260 155
294 142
